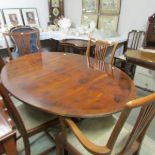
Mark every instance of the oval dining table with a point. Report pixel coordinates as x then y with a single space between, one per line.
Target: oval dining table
62 84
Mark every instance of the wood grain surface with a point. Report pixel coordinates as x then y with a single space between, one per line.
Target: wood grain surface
62 84
144 59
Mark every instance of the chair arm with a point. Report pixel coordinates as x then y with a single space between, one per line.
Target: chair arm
140 101
87 144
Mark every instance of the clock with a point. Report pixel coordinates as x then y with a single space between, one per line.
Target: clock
56 10
149 41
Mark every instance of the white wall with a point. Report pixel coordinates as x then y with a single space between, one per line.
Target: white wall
41 5
73 10
134 13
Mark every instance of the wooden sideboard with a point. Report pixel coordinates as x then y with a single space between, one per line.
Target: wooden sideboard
145 69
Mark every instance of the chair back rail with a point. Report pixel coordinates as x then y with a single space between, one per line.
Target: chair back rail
134 141
1 63
25 39
144 118
13 112
100 52
135 39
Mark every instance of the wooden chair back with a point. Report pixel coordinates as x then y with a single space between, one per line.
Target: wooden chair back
100 52
143 121
135 39
25 39
1 63
13 112
134 141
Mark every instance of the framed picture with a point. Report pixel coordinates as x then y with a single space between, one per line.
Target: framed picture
12 17
90 5
108 23
55 3
1 19
30 16
87 18
110 6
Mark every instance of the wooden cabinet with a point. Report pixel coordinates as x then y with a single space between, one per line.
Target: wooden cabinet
145 78
56 10
150 33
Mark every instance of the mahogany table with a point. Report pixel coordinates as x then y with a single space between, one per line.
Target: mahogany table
62 84
141 58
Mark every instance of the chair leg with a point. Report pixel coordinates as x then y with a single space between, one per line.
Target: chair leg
137 152
27 146
114 61
60 150
65 152
59 146
133 67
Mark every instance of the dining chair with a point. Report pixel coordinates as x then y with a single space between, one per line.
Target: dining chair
134 42
103 50
135 39
106 135
25 39
1 63
28 120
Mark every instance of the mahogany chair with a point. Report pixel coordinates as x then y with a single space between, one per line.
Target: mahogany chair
28 120
7 134
25 39
1 63
106 136
134 41
1 66
101 53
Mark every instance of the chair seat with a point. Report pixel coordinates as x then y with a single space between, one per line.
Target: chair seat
98 130
121 57
31 116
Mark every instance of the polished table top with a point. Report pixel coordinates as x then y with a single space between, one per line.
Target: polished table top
62 84
141 58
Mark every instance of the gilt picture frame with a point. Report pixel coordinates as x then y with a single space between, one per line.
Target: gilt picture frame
87 18
90 6
30 17
110 6
12 17
55 3
108 23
